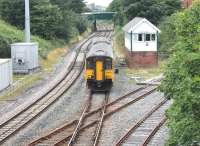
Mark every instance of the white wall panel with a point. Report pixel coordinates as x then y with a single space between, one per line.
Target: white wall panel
5 73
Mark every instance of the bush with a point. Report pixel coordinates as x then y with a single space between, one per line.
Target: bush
49 19
153 10
182 78
10 34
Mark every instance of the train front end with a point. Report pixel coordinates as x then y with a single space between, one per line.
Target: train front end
99 72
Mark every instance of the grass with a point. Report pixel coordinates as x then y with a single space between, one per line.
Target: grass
147 73
52 58
119 42
25 82
54 55
10 34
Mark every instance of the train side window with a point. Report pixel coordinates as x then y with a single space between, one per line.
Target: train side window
108 64
89 64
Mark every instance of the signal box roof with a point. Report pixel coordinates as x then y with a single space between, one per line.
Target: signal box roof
137 22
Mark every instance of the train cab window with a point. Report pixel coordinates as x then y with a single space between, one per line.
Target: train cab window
89 64
108 64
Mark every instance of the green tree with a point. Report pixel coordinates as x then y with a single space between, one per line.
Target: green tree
48 18
12 12
117 6
169 36
77 6
153 10
182 79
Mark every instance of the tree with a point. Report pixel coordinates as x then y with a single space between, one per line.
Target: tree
116 6
169 36
76 6
153 10
182 79
13 12
48 18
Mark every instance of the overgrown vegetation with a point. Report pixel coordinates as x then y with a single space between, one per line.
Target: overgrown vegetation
10 34
182 76
181 38
50 19
147 73
153 10
168 37
119 42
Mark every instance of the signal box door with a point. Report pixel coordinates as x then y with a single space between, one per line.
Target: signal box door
99 70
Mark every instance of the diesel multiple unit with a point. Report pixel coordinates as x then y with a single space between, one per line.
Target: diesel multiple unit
99 66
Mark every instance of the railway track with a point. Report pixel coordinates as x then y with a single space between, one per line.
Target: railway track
62 135
24 114
141 133
84 119
17 120
69 133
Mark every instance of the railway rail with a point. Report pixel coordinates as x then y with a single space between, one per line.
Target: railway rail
84 119
14 121
41 101
69 133
62 135
144 129
46 97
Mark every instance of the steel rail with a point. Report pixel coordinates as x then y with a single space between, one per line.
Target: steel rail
55 132
108 114
84 117
139 122
75 133
100 124
21 119
87 115
88 45
153 132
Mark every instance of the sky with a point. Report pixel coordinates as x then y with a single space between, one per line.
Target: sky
104 3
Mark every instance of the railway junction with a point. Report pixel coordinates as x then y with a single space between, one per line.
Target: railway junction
101 73
65 112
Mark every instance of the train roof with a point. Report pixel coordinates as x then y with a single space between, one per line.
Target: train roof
100 40
103 49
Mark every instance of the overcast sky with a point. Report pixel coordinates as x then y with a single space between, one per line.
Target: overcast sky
100 2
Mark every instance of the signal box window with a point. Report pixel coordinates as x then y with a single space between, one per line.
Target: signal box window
140 38
148 37
153 37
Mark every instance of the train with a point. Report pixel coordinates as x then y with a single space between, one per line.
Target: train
99 66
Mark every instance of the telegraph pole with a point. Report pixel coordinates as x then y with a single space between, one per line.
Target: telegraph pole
27 22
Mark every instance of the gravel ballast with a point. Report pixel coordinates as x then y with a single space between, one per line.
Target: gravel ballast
71 105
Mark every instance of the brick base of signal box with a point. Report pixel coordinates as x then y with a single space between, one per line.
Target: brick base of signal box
141 59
